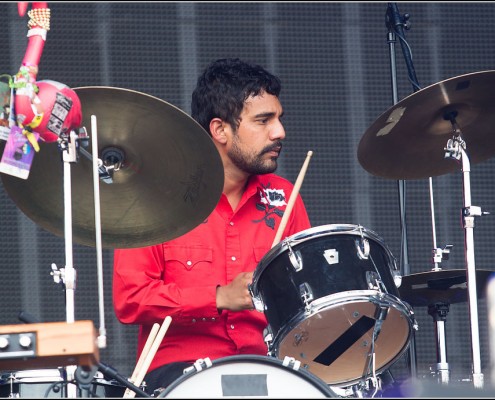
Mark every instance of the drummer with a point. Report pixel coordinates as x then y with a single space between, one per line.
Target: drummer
201 279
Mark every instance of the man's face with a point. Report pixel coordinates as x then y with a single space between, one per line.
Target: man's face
257 143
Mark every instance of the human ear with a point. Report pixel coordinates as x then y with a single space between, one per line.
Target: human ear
217 129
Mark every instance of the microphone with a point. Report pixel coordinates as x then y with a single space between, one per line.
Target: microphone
393 18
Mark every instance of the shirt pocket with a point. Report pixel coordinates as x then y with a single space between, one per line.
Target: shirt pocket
188 257
181 260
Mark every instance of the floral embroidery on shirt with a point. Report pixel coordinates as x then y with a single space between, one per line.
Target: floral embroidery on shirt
270 199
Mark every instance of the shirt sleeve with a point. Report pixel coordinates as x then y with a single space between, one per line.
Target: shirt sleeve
141 295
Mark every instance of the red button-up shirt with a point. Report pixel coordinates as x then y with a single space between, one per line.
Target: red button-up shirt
179 278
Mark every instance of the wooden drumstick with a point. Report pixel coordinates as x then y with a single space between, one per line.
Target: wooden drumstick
144 353
292 199
149 357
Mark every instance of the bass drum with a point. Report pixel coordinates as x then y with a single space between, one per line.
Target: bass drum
247 376
41 383
330 297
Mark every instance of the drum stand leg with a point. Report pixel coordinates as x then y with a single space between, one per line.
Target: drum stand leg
439 313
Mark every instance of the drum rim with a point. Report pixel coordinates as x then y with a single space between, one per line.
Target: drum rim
341 297
308 376
310 233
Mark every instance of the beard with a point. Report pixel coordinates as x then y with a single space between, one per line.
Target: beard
254 164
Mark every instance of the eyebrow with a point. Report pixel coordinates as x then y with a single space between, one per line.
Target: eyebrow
267 114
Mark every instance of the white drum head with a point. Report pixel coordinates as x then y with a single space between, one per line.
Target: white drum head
248 376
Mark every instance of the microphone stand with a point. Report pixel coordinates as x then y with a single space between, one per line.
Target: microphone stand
395 24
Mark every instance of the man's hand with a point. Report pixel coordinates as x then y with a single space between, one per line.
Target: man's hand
235 296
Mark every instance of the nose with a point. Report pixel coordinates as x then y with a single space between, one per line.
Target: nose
278 131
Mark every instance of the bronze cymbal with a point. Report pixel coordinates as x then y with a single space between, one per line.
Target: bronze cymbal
407 141
170 180
443 286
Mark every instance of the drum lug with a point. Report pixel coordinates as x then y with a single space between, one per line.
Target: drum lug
414 323
291 362
397 278
306 295
363 248
257 302
199 365
295 258
268 338
373 280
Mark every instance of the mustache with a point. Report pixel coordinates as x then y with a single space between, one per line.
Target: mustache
274 147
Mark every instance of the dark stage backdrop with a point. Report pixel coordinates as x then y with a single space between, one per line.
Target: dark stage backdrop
335 63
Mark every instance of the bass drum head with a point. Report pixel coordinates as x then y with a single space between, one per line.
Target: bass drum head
248 376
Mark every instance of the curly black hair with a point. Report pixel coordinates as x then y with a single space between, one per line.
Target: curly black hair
224 86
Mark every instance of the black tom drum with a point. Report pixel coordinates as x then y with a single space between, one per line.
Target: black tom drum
330 297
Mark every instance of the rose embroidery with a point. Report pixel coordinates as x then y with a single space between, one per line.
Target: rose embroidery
270 199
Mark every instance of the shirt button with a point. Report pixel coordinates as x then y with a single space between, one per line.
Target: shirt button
213 319
231 223
231 326
193 320
233 258
189 263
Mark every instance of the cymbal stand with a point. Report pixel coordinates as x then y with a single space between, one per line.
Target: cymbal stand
68 146
438 253
70 150
456 149
439 313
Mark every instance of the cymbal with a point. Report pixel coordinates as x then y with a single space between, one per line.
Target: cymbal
170 180
443 286
407 141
